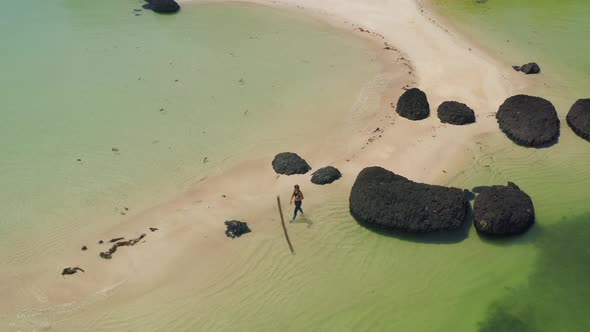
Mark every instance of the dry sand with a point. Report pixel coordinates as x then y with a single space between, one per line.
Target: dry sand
191 236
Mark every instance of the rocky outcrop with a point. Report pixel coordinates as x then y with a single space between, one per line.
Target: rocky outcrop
503 210
455 113
578 118
529 121
131 242
236 228
413 105
384 200
529 68
289 163
162 6
325 175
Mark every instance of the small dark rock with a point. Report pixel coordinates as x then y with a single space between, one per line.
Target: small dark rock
70 270
236 228
503 210
529 121
100 241
116 239
325 175
455 113
529 68
114 149
413 105
578 118
289 163
384 200
153 229
84 248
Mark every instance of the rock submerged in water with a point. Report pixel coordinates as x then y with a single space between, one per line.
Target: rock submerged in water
384 200
455 113
162 6
289 163
578 118
236 228
325 175
529 121
503 210
529 68
413 105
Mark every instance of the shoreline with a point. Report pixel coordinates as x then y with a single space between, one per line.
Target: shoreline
444 149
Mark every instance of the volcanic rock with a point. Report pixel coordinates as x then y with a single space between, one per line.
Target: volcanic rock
528 121
578 118
413 105
455 113
236 228
529 68
503 210
70 270
384 200
289 163
162 6
325 175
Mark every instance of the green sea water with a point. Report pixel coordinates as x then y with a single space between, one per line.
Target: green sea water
74 91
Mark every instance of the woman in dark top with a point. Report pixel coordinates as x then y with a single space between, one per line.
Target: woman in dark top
297 197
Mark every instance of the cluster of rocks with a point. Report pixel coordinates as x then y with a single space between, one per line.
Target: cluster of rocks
236 228
162 6
289 163
381 199
413 105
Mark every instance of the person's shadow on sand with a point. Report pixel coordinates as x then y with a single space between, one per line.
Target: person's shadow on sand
303 220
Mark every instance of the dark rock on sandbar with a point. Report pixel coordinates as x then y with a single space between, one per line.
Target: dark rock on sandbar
131 242
413 105
289 163
84 248
162 6
100 241
116 239
455 113
503 210
529 121
325 175
578 118
70 270
529 68
236 228
153 229
384 200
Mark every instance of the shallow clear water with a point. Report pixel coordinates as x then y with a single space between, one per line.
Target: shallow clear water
87 77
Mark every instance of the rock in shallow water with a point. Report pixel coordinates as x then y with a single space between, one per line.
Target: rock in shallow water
529 68
578 118
162 6
236 228
413 105
503 210
325 175
455 113
289 163
529 121
382 199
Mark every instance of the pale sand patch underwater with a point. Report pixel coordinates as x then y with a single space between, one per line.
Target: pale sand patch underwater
173 262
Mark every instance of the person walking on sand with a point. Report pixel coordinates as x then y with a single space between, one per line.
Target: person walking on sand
297 197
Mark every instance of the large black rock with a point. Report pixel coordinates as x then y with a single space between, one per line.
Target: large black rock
289 163
325 175
236 228
455 113
529 68
413 105
162 6
529 121
384 200
578 118
503 210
